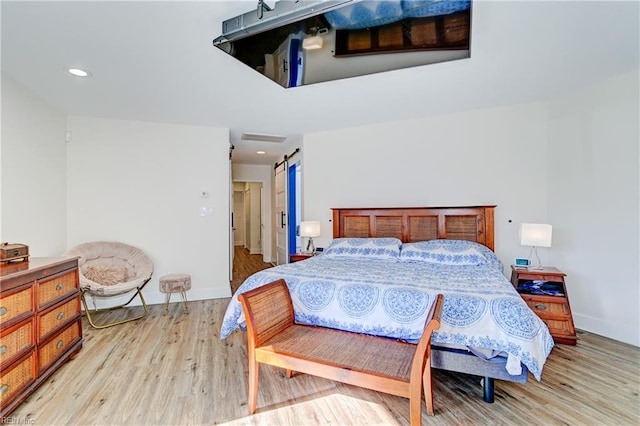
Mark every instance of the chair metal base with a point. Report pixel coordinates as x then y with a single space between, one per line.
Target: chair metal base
105 325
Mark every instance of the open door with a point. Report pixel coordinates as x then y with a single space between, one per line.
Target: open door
281 209
231 219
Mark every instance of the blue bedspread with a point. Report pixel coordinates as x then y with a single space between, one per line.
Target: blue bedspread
392 298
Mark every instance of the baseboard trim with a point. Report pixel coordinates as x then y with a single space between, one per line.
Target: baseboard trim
620 332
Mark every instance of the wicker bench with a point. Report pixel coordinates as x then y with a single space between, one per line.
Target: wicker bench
371 362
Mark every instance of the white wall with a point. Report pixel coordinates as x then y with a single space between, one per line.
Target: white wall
485 157
264 174
140 183
593 203
33 172
572 163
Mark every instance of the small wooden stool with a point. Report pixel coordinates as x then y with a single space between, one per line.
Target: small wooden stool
175 283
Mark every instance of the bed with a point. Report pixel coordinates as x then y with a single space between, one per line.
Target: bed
382 271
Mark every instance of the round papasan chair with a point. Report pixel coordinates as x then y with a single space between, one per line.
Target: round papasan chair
110 269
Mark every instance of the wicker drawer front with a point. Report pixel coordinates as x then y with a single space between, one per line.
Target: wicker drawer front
50 352
55 288
58 316
15 341
19 376
15 304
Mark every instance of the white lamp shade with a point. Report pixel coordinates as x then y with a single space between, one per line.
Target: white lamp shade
310 229
535 234
312 43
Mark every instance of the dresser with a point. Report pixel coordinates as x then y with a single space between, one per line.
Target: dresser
40 324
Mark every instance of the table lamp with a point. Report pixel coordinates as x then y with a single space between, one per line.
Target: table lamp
535 235
310 229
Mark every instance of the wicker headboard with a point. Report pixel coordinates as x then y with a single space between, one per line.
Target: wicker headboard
417 223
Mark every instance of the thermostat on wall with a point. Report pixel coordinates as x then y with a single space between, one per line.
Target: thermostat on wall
521 263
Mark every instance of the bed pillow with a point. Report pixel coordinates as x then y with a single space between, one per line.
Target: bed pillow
445 252
374 248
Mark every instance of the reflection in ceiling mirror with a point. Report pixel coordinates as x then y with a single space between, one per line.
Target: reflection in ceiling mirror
295 43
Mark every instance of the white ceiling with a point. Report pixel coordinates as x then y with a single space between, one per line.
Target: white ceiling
154 61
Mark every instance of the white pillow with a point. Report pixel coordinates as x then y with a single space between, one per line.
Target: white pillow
445 252
375 248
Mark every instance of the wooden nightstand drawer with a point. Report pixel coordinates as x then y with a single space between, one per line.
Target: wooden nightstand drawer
544 306
560 327
51 351
15 305
15 340
17 377
541 277
57 287
58 316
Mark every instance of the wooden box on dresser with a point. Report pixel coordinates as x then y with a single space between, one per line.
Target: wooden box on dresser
40 324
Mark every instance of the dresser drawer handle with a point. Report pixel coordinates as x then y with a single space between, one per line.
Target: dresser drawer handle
60 316
4 389
3 310
59 344
3 349
540 306
59 287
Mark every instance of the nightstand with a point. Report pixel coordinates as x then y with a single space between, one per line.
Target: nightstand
299 256
548 298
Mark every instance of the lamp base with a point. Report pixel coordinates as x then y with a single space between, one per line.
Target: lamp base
310 247
538 266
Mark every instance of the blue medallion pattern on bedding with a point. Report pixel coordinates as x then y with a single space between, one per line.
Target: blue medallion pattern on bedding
390 297
448 252
381 248
357 301
372 13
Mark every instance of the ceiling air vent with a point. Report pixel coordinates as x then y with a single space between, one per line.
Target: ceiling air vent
262 137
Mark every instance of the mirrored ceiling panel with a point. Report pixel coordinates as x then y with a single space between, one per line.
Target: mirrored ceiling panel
295 43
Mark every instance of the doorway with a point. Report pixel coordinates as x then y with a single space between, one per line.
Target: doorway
248 231
288 208
295 207
248 221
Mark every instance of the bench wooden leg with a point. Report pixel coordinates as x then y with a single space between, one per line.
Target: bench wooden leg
289 373
415 405
254 370
427 384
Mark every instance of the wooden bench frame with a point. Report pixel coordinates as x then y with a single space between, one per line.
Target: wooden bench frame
377 363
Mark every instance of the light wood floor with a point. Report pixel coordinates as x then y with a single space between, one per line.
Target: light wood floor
245 264
174 370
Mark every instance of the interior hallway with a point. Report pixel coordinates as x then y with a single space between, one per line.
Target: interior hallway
245 264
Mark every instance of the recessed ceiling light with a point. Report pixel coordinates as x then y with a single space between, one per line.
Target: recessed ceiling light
78 72
260 152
